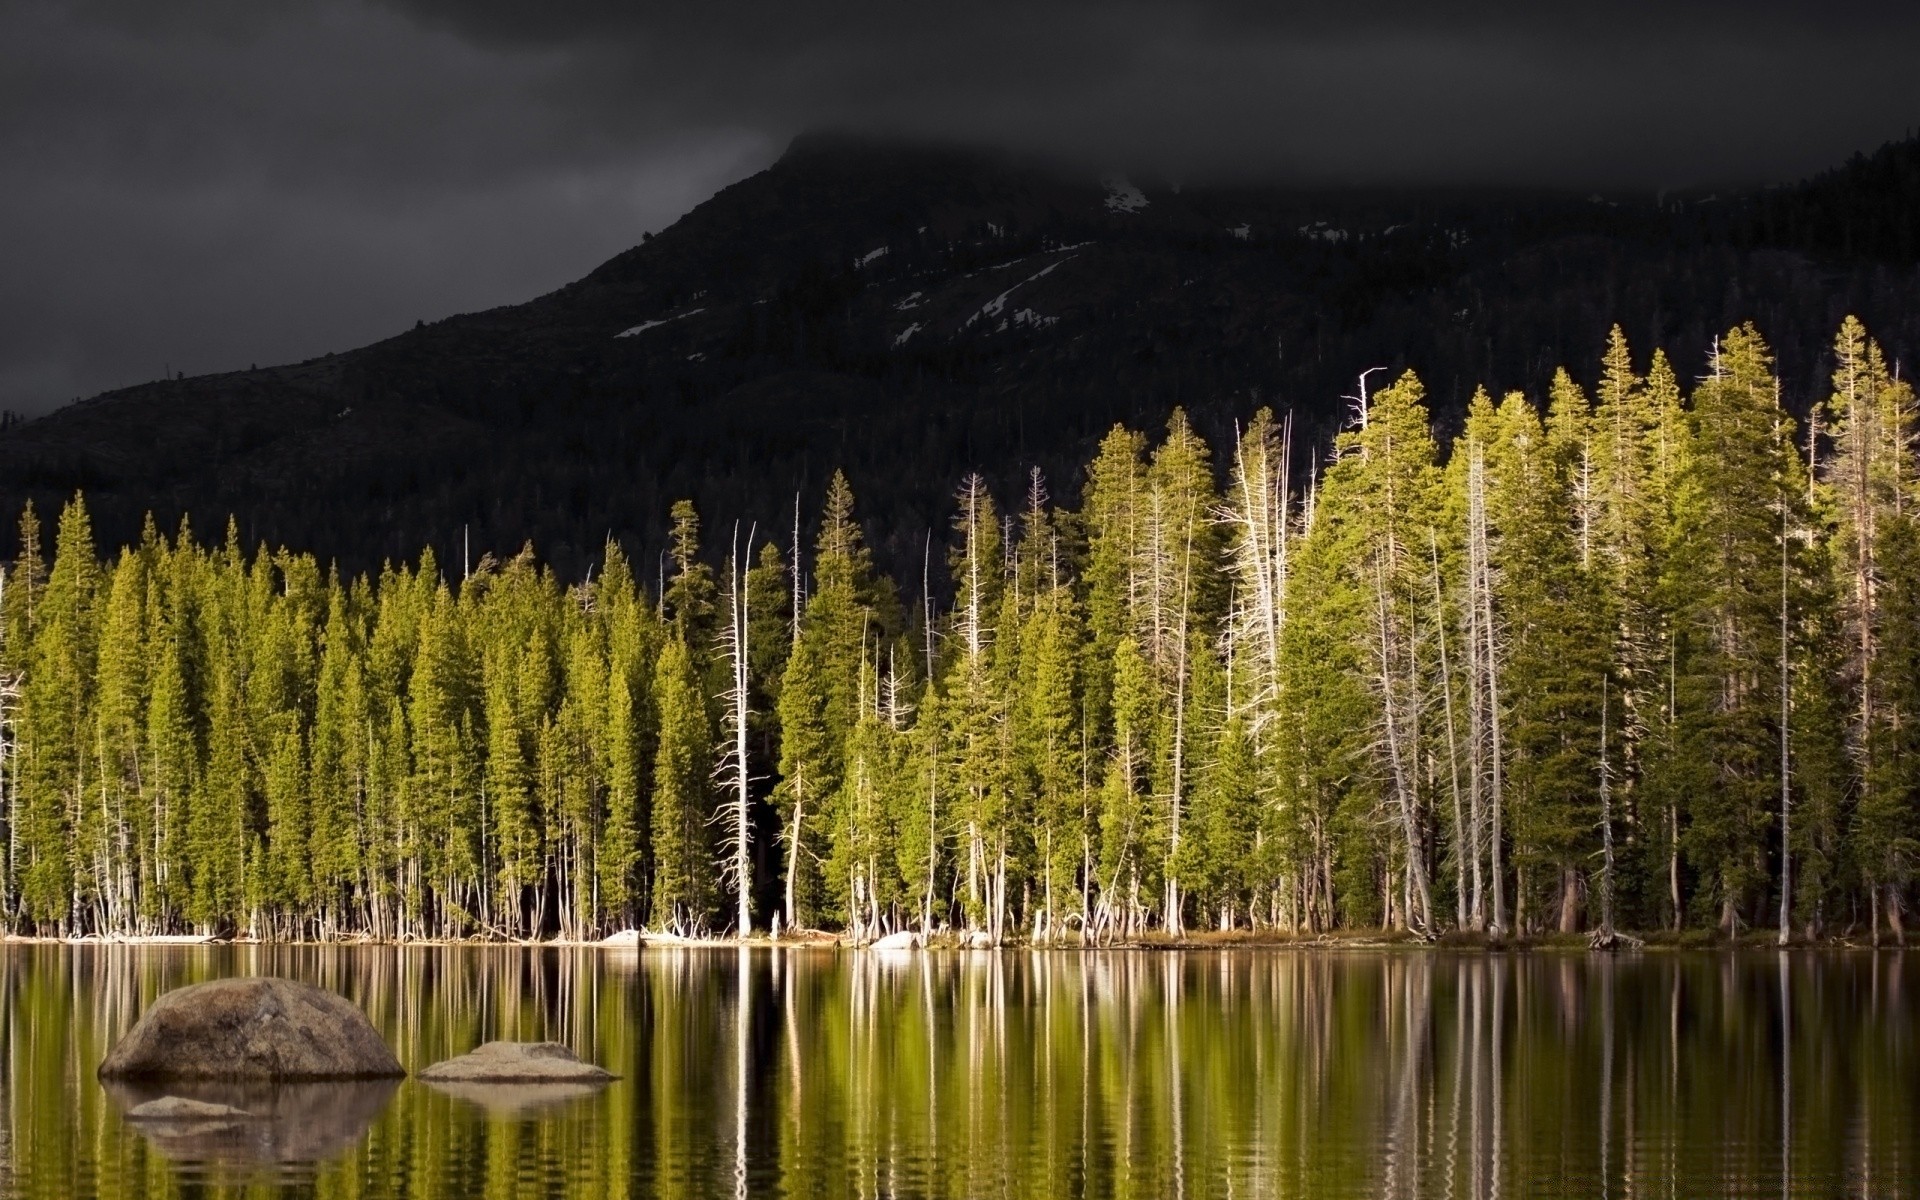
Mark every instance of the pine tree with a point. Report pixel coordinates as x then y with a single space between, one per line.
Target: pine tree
1046 719
1558 657
684 898
1721 581
1867 490
633 641
1124 848
975 703
55 814
337 766
1263 528
1378 509
124 875
1184 597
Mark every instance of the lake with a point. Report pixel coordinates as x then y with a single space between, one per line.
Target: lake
810 1072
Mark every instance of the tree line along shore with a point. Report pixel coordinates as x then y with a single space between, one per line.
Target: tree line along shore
1632 655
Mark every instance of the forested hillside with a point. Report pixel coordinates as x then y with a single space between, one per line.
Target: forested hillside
1637 655
911 314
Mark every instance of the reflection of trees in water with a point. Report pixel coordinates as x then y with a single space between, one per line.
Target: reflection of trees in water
1194 1073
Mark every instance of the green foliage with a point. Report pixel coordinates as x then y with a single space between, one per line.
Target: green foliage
1373 699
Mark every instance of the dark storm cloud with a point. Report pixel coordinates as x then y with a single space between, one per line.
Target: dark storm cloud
210 184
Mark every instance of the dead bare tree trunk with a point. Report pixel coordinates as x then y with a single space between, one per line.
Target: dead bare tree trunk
734 767
1786 763
1460 834
1480 596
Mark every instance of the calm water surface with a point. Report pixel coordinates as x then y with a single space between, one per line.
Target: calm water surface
1205 1073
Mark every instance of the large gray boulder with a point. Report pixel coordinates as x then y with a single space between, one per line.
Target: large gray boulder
259 1028
517 1062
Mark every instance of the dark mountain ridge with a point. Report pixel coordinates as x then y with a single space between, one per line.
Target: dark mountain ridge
911 313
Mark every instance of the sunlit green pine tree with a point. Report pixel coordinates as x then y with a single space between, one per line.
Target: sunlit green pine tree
1322 724
337 764
807 777
690 589
1722 580
848 607
120 717
1867 494
975 704
1048 725
1124 793
1220 866
1377 511
920 820
1885 833
55 712
1185 591
1112 522
1552 598
1216 858
633 642
684 891
769 642
443 795
25 580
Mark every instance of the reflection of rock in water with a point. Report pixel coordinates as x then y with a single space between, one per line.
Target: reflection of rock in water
512 1101
287 1123
179 1108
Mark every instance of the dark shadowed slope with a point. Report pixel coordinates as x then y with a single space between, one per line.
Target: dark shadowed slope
910 314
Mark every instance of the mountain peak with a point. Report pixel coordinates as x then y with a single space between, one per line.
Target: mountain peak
910 312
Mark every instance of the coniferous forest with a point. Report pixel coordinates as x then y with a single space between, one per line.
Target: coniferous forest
1640 654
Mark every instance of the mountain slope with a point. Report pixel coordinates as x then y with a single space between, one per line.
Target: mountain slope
911 314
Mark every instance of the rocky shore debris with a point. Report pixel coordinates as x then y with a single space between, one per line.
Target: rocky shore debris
906 939
517 1062
260 1028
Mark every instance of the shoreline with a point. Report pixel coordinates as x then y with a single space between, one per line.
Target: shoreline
1370 940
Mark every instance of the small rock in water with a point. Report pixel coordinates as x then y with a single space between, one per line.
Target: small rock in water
625 937
517 1062
256 1028
980 939
179 1108
906 939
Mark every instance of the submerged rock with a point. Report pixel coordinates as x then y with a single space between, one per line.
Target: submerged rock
179 1108
906 939
259 1028
517 1062
252 1122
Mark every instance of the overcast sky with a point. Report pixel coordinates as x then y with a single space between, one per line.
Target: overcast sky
198 186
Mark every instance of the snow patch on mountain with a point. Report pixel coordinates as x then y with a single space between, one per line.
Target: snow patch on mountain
998 304
870 257
643 326
1122 196
906 333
